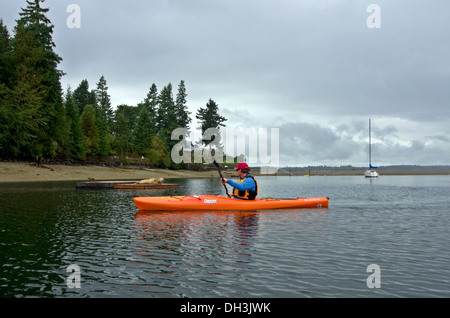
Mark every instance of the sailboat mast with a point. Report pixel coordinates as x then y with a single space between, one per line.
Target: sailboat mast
370 146
371 173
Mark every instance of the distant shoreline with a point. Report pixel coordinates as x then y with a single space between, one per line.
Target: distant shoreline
29 172
360 172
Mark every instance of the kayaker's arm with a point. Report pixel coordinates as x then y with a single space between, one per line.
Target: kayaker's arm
224 181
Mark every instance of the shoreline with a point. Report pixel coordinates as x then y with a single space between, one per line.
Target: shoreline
29 172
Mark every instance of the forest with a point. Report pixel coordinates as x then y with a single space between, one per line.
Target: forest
41 121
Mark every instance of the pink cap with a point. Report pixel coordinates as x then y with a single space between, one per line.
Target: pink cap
243 166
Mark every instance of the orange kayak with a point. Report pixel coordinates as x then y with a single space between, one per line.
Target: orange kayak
213 202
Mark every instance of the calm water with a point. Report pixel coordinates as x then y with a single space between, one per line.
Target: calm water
400 223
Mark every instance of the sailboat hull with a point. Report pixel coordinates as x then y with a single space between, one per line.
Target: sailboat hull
371 174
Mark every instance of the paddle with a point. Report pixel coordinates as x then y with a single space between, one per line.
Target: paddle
221 177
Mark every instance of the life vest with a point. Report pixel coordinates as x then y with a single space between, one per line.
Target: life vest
247 194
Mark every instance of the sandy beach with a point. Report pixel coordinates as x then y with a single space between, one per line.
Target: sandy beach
28 172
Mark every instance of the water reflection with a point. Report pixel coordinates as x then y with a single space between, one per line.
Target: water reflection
222 253
196 229
193 251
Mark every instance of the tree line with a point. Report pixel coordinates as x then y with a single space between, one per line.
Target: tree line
40 120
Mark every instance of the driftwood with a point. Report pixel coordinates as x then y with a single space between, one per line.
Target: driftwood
151 181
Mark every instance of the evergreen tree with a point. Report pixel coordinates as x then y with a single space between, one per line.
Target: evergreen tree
209 117
22 118
6 73
182 113
131 114
151 103
122 139
125 122
157 155
61 133
104 101
104 115
82 96
90 132
143 133
105 138
6 68
167 116
33 19
167 122
76 137
4 127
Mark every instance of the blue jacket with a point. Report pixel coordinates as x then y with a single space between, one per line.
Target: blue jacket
248 185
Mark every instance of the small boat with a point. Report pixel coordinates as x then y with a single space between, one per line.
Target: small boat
214 202
372 172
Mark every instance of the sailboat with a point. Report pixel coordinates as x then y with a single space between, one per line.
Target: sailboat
372 172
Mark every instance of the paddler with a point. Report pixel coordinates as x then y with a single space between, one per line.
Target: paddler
247 187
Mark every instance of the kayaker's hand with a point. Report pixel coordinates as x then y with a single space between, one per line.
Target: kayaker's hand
224 180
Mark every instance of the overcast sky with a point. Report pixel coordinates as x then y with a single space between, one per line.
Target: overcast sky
312 68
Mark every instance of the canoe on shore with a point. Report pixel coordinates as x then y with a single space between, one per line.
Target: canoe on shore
212 202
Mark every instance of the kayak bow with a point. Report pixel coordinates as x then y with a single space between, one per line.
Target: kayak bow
213 202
